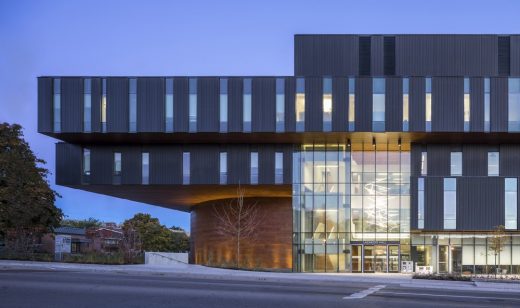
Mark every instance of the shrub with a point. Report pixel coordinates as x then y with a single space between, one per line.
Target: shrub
450 277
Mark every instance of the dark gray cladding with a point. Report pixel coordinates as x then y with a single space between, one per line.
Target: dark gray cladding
208 104
263 113
448 104
150 105
68 164
71 105
44 105
394 104
117 105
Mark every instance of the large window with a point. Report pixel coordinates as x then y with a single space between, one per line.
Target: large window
467 104
514 105
223 168
487 105
493 163
247 104
327 104
278 168
145 168
104 105
186 168
132 104
254 168
428 104
424 163
420 203
193 105
406 102
300 104
57 104
280 104
86 166
223 105
87 105
117 168
511 206
450 203
378 104
351 104
456 163
169 105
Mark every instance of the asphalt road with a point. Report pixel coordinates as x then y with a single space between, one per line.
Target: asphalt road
50 288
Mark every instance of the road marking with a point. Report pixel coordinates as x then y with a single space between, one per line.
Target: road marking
364 293
447 295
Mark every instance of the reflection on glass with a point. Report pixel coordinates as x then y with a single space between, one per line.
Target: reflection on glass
487 103
351 104
514 105
87 105
132 104
223 168
104 105
247 86
186 168
223 105
466 104
511 204
254 168
192 112
406 97
456 163
280 105
300 104
378 104
428 104
327 104
493 163
450 203
57 104
145 165
169 105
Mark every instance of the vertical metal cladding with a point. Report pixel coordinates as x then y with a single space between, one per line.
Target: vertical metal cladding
235 107
290 96
117 105
266 164
504 50
377 66
71 105
339 104
101 165
44 105
509 160
263 104
394 104
96 104
439 159
515 55
448 104
68 164
476 113
389 55
413 202
180 104
150 105
131 160
313 104
208 105
239 164
363 106
204 164
417 102
433 200
498 104
165 164
474 160
287 162
365 57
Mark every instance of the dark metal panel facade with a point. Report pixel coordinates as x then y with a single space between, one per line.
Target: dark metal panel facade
433 203
263 105
235 104
266 164
131 165
71 105
439 159
204 164
474 160
95 89
377 56
504 50
515 55
499 104
45 105
313 104
365 50
101 165
363 105
287 162
339 104
117 105
413 203
180 104
448 104
417 100
165 164
325 55
389 55
208 106
476 107
394 104
509 160
151 109
290 109
68 164
480 203
239 164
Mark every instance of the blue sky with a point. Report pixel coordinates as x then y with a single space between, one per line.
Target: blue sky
101 37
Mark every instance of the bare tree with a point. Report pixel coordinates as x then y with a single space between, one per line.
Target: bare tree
131 244
238 220
497 243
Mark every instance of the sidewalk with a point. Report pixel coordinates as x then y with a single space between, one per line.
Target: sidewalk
202 272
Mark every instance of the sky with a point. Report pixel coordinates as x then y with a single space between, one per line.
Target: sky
152 37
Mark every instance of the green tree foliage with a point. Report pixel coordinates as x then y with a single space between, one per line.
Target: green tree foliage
26 199
153 235
82 223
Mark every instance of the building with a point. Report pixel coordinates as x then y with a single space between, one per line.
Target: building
75 238
380 149
105 239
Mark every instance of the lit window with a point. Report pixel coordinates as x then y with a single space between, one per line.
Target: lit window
223 105
467 103
247 84
86 166
456 163
487 105
327 104
278 168
254 168
300 104
145 165
428 104
185 168
420 203
193 105
450 203
280 104
169 105
514 105
406 101
223 168
351 104
117 168
132 97
104 105
493 163
511 204
378 104
424 163
87 105
57 104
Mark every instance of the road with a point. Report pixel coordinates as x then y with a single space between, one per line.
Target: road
51 288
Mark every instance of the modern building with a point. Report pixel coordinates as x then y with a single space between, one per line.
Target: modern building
380 149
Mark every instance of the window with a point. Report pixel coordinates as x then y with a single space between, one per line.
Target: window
406 102
185 168
428 105
223 105
87 105
456 163
514 105
487 105
145 168
424 163
223 168
132 104
280 104
420 203
247 84
327 104
86 166
351 104
169 105
254 168
57 104
467 103
511 205
378 104
193 105
278 168
450 203
104 105
493 163
117 168
300 104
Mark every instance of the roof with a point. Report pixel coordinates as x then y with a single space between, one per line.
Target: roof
69 230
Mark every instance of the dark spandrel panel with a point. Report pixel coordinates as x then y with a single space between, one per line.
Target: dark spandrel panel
377 55
44 105
290 95
504 55
264 104
499 104
389 55
476 108
433 197
150 104
474 197
117 105
180 104
68 164
364 55
448 104
417 101
394 105
208 107
514 55
313 104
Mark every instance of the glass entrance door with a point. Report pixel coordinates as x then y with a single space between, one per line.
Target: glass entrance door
380 261
393 258
357 265
368 259
443 259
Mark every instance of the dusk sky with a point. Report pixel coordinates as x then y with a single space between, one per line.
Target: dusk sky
182 38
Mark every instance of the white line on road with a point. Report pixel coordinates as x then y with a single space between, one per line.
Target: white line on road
364 293
447 295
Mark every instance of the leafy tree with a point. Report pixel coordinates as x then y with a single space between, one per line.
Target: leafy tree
181 241
82 223
26 199
497 242
153 235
